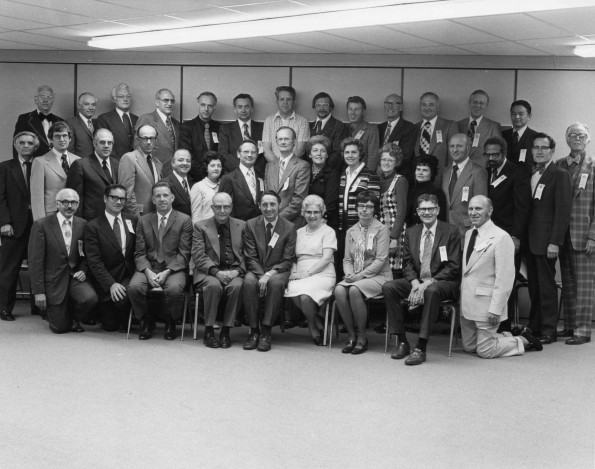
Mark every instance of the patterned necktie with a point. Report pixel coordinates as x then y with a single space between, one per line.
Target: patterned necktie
281 170
424 141
318 127
453 180
161 231
252 183
471 131
387 133
353 127
425 272
207 136
90 125
128 127
117 234
67 234
106 170
471 245
170 131
185 185
65 166
246 132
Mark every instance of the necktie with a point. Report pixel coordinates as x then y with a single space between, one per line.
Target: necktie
117 234
453 180
425 272
161 231
246 132
352 130
281 170
252 183
90 125
471 132
387 133
269 234
515 138
471 245
106 170
67 234
170 130
207 136
424 141
128 127
493 176
28 173
65 166
150 163
185 185
317 127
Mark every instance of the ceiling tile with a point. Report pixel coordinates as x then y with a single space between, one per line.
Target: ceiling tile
577 20
94 9
561 46
212 16
35 39
216 47
161 7
270 9
382 37
263 44
63 32
513 27
501 48
437 50
101 28
40 14
22 45
154 22
328 42
15 24
445 32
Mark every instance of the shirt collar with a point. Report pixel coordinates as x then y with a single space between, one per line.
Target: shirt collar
323 121
241 124
59 155
61 219
22 160
348 172
578 159
159 216
432 229
392 124
499 168
462 164
278 114
180 178
274 223
432 121
121 113
478 120
100 159
521 131
85 119
245 169
110 218
162 115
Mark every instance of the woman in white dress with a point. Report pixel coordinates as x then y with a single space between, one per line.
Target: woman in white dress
313 277
203 191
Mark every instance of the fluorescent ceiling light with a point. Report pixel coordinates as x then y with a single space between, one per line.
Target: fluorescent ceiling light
327 21
587 50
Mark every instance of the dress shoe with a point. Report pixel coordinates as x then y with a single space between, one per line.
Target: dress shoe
90 322
224 341
251 342
565 333
288 325
349 346
317 340
264 343
417 357
534 342
6 316
76 326
171 331
360 348
210 340
548 339
145 331
578 340
402 350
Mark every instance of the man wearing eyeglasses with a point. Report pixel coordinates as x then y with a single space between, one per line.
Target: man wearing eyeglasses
577 259
109 247
91 175
58 266
326 124
120 122
168 128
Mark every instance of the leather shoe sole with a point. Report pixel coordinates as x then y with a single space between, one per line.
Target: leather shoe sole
401 351
264 344
578 340
417 357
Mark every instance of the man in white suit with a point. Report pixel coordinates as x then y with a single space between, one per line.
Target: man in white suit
488 277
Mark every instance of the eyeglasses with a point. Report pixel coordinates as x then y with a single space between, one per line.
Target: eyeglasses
148 139
115 198
392 104
66 203
60 136
168 100
123 96
581 137
365 207
322 105
312 212
221 207
536 148
426 209
105 142
492 155
387 160
45 98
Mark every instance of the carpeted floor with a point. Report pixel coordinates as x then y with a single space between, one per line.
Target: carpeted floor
96 400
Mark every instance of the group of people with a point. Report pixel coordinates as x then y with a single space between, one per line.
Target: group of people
112 211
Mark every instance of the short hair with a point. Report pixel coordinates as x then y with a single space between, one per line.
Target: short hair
552 142
288 89
83 94
356 100
59 126
313 199
207 93
159 184
269 192
393 150
431 94
482 92
578 124
221 193
496 140
41 88
284 127
243 96
353 141
211 156
521 102
429 161
247 141
113 187
118 86
163 90
322 139
428 198
368 196
28 134
64 190
322 95
146 125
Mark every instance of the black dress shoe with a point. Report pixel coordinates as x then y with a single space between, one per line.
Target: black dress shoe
360 348
171 331
548 339
224 341
317 340
534 342
565 333
145 330
402 350
349 346
76 326
417 357
6 316
264 343
578 340
210 340
251 342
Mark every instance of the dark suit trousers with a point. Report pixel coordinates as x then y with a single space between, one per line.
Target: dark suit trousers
12 253
273 299
173 289
543 317
212 289
112 314
395 291
78 304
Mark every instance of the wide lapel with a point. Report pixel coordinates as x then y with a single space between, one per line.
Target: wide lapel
18 177
236 238
154 220
119 125
57 230
476 255
243 184
142 162
54 165
83 124
236 133
395 133
436 239
416 243
438 127
162 129
584 168
261 238
179 190
213 236
274 174
98 169
37 126
107 230
130 236
170 221
462 180
289 169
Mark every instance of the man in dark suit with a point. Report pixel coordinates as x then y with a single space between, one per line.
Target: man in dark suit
163 242
548 224
520 137
15 218
243 185
58 268
326 124
109 247
39 121
217 252
83 126
269 250
431 274
120 122
168 128
91 175
398 130
199 135
232 134
180 182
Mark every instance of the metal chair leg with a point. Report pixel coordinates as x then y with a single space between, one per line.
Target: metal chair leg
328 302
386 334
453 314
330 342
196 316
129 324
184 317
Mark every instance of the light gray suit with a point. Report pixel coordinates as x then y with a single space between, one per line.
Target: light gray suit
292 188
138 179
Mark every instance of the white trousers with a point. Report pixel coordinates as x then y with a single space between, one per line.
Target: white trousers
481 337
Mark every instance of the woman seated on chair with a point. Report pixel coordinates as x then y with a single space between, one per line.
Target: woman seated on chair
313 277
366 267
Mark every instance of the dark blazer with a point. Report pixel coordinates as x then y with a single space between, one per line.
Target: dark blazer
326 185
181 198
231 137
486 129
335 131
81 143
50 265
261 258
439 149
525 142
87 178
106 262
403 135
15 198
511 199
164 149
31 122
447 235
112 122
192 138
244 206
550 214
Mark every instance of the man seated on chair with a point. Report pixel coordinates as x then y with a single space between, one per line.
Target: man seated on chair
219 267
269 251
431 274
488 277
163 240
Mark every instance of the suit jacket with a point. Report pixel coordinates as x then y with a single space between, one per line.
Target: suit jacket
231 137
335 131
112 122
138 179
47 179
403 135
164 148
486 129
87 178
192 138
475 178
261 258
81 143
205 246
244 206
368 135
14 198
107 264
510 194
31 122
175 245
441 268
293 186
525 143
550 214
489 276
181 197
582 214
50 265
444 129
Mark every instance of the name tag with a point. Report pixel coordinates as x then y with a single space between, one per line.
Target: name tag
129 226
285 185
370 244
499 180
465 194
354 185
214 137
260 147
583 182
439 136
476 140
539 191
81 252
273 240
523 155
359 135
443 254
